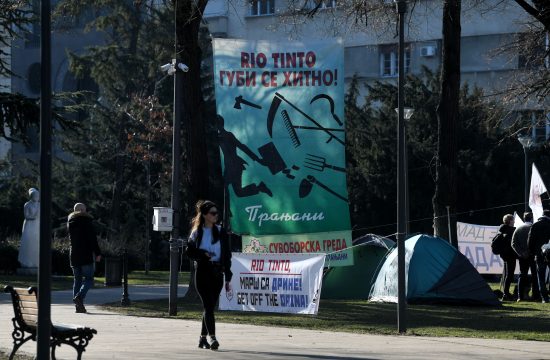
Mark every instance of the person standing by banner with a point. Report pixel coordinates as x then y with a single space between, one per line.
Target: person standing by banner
538 236
209 247
508 255
526 260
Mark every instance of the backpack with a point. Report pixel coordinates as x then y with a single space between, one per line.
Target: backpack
498 244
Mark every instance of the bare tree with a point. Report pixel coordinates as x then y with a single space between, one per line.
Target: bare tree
444 198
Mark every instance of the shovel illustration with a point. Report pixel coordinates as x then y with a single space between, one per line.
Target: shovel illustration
307 184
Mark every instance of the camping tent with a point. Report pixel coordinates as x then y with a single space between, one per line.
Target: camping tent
355 281
435 272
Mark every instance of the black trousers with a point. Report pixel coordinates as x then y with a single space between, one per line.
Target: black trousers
523 283
509 269
209 284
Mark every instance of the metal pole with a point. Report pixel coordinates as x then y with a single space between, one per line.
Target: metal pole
406 175
176 150
526 181
125 301
401 196
147 212
449 224
45 247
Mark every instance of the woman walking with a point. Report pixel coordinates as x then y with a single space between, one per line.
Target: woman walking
210 248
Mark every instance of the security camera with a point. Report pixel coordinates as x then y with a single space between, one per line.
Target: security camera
166 67
183 67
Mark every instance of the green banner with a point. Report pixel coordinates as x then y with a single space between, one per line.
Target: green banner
281 126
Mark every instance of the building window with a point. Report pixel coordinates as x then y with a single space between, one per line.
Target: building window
541 129
389 60
262 7
323 4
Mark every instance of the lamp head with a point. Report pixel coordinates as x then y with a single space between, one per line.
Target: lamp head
407 112
525 140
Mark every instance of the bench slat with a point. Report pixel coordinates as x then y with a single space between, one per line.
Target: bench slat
27 297
30 319
28 304
29 311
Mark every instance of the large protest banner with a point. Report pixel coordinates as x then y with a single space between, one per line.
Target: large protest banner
334 244
282 283
474 241
281 125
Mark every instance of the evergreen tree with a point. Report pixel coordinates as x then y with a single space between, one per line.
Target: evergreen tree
487 172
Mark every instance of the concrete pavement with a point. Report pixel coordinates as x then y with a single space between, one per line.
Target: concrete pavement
129 337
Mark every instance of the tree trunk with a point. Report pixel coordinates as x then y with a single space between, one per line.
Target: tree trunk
118 187
188 20
448 117
188 17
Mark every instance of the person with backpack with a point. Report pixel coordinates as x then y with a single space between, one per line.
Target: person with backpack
538 236
507 254
526 260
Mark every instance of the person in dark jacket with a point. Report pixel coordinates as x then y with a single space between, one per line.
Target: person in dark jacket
526 260
209 246
538 236
508 255
84 253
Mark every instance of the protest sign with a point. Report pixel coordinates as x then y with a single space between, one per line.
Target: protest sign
281 283
474 241
335 244
281 125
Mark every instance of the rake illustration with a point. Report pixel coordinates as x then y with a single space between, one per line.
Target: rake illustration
291 128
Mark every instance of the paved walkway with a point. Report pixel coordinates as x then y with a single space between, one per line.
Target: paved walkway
128 337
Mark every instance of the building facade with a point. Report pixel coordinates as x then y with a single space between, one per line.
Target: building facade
371 44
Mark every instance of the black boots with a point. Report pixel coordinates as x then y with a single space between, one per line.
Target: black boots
203 344
79 304
213 345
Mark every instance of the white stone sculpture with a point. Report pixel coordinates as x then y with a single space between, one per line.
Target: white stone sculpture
30 238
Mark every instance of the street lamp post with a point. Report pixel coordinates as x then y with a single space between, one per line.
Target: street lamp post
175 201
407 113
45 238
401 189
526 141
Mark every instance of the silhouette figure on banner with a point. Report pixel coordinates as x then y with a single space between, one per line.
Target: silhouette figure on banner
28 252
234 165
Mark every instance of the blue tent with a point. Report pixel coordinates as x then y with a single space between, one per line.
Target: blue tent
355 281
435 272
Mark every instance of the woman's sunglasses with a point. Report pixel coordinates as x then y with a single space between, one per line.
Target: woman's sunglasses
213 213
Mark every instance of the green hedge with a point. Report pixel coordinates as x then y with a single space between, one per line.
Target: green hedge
9 252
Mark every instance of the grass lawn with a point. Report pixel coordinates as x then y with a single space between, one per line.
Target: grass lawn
66 282
522 321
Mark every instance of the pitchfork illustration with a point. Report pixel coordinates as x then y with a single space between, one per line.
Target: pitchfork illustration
319 163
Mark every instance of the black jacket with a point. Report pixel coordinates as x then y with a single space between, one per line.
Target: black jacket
508 231
84 246
538 235
199 255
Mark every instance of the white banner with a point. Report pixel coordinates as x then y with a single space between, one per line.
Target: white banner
282 283
474 241
537 189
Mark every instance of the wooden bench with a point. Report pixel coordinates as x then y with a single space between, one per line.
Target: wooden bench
25 308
